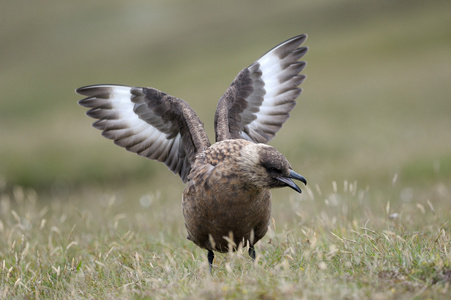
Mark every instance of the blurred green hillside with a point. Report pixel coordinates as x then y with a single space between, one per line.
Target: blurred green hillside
376 104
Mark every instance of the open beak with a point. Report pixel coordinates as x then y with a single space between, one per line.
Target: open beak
289 182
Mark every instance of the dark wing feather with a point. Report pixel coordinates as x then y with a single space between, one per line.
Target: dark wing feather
148 122
259 100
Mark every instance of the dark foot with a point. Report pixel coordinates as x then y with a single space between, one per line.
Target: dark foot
210 257
252 252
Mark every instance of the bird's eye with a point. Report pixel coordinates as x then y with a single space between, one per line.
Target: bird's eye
273 170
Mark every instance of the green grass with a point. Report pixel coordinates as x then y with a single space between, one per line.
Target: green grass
344 246
82 218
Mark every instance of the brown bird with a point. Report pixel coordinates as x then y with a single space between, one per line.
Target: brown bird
227 201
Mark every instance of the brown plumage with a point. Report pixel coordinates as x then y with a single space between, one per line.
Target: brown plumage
227 200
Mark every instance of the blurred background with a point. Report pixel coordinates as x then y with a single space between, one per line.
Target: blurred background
376 107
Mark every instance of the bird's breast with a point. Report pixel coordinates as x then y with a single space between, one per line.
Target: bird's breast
218 201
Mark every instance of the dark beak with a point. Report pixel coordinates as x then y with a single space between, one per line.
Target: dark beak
289 182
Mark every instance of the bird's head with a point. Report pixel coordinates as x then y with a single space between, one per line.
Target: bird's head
268 168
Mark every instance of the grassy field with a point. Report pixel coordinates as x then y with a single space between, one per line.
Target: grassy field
337 244
82 218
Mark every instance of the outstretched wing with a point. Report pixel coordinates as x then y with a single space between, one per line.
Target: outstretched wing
148 122
259 100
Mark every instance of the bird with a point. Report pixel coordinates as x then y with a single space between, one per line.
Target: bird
226 202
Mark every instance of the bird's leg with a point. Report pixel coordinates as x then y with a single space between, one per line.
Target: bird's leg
252 252
210 257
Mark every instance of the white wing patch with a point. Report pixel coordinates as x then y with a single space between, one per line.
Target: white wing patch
112 105
279 71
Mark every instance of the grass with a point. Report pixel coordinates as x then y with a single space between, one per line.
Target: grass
341 247
81 218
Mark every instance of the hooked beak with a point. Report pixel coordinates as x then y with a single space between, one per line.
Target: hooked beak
289 182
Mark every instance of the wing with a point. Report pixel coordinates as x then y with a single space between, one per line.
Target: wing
259 100
148 122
